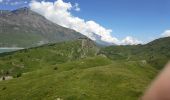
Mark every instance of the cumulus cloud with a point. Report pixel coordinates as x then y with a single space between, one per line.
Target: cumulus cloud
59 12
166 33
130 41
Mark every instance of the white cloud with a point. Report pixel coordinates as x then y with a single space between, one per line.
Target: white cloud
59 12
76 7
130 41
166 33
1 1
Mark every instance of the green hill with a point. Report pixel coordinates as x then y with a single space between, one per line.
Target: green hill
80 70
155 53
50 54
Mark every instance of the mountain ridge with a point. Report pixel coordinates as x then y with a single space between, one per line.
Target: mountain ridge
25 28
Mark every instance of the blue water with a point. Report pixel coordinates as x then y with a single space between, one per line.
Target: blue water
2 50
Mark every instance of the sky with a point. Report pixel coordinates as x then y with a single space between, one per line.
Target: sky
115 21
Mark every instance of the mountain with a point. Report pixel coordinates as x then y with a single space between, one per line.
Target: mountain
155 53
71 70
25 28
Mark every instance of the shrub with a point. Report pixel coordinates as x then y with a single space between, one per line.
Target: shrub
4 88
7 73
55 68
17 75
3 78
21 60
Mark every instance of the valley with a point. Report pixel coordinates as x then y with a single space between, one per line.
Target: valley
53 50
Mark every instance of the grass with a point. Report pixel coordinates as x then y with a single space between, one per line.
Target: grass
77 70
155 53
36 58
97 78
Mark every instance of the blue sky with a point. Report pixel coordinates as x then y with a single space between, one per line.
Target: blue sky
142 19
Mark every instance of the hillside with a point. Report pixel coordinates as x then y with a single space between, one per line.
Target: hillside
25 28
80 70
46 55
155 53
96 78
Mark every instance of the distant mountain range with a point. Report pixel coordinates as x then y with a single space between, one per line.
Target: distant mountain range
25 28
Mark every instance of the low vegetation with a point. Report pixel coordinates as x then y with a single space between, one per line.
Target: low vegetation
79 70
155 53
94 78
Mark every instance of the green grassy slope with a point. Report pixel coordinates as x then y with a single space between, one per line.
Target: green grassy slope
76 70
96 78
53 54
155 53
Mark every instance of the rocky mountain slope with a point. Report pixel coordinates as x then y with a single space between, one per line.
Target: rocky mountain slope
25 28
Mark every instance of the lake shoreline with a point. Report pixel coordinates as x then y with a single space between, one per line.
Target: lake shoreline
9 49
